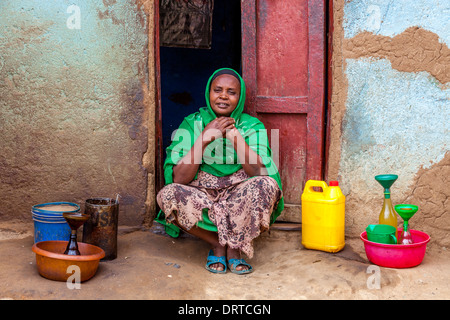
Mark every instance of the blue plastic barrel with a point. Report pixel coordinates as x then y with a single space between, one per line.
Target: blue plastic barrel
55 208
46 230
49 223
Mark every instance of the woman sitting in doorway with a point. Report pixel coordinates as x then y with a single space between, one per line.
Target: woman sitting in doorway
221 182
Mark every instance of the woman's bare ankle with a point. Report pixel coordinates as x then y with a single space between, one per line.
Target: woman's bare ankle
236 254
219 251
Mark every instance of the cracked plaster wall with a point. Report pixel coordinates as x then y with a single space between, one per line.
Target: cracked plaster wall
76 105
390 109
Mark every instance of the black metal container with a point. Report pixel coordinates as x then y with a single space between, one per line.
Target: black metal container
101 228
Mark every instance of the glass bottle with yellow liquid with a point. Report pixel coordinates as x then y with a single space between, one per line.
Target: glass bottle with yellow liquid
387 215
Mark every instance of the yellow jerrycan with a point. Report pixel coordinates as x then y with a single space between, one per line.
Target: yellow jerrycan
323 216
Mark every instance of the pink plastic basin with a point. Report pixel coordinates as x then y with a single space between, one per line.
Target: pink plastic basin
397 255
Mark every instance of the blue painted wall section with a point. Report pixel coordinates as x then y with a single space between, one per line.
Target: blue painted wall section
392 17
394 121
395 118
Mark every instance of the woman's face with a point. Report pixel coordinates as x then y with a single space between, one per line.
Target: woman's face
224 95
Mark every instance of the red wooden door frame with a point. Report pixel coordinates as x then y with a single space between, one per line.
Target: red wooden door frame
159 152
314 104
329 29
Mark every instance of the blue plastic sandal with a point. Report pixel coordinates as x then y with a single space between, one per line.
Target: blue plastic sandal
213 259
233 263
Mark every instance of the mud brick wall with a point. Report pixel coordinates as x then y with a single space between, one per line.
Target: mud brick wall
390 109
76 100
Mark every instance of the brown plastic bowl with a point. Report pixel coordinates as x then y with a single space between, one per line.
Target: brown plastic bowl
52 263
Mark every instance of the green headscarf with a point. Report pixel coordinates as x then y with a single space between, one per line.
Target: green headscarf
220 158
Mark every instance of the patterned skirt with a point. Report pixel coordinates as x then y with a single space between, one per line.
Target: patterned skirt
240 207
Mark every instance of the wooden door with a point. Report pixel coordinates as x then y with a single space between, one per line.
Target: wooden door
283 65
159 152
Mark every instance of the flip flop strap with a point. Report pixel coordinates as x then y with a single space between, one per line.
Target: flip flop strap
235 262
213 259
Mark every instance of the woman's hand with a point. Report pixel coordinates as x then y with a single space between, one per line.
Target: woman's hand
251 162
218 128
186 169
222 127
232 134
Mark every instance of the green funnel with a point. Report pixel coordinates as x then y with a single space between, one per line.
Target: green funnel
386 181
406 211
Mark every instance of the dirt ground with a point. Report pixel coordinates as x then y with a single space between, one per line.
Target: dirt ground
152 265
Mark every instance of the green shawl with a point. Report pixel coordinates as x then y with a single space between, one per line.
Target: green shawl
219 158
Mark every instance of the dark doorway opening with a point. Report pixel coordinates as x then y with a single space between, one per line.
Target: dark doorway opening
185 71
281 40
